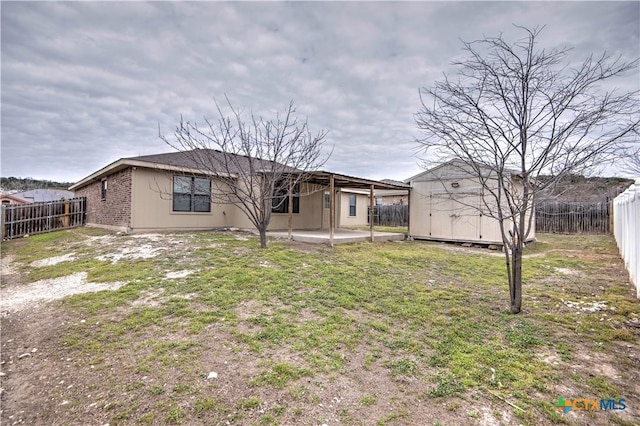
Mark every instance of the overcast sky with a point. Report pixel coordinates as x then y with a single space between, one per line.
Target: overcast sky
87 83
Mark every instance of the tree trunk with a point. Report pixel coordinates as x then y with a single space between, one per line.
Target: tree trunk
516 284
263 238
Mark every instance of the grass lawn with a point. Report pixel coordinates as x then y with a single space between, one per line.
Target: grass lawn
409 333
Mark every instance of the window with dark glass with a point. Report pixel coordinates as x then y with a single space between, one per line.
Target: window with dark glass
103 189
352 205
327 200
280 201
191 194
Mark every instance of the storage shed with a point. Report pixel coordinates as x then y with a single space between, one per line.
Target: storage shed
448 203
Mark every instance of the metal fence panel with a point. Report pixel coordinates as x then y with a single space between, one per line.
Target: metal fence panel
390 215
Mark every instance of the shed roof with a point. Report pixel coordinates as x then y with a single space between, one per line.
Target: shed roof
463 166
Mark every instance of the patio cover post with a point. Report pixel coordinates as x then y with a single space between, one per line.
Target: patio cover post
409 212
332 209
371 212
290 209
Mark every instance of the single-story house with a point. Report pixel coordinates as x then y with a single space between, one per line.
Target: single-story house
392 197
448 203
353 207
354 203
36 196
169 192
12 200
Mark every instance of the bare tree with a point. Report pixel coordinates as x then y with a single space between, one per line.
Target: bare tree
253 163
516 112
633 160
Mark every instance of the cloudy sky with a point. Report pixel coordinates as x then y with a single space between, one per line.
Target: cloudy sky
86 83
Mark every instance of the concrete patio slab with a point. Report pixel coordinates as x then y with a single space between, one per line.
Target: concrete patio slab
340 236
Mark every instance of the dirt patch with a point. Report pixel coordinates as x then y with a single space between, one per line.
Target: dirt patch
171 275
586 306
149 298
34 365
15 298
50 261
145 251
7 267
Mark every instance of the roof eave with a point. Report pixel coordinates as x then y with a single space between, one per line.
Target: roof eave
124 163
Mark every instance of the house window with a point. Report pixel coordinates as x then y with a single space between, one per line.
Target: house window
191 194
379 201
352 205
280 201
327 200
103 189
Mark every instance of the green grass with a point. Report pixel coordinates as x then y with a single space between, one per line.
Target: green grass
303 319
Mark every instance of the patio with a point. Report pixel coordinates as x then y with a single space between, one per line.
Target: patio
340 236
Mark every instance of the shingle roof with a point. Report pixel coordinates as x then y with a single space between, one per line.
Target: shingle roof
44 195
209 160
205 159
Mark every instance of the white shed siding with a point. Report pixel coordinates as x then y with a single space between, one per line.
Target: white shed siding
447 204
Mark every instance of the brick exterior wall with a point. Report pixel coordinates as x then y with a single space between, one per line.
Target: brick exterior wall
115 209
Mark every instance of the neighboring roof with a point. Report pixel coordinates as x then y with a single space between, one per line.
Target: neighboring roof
395 182
14 198
43 195
188 162
378 192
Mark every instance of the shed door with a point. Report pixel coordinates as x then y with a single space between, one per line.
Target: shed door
465 217
441 207
455 216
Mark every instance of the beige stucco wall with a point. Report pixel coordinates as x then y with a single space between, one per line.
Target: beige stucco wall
152 205
362 209
152 208
310 216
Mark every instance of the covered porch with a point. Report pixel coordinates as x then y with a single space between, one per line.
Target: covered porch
340 236
329 232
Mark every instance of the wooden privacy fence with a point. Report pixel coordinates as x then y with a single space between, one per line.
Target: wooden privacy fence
37 218
390 215
573 217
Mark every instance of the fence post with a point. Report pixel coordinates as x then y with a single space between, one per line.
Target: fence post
3 209
65 218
